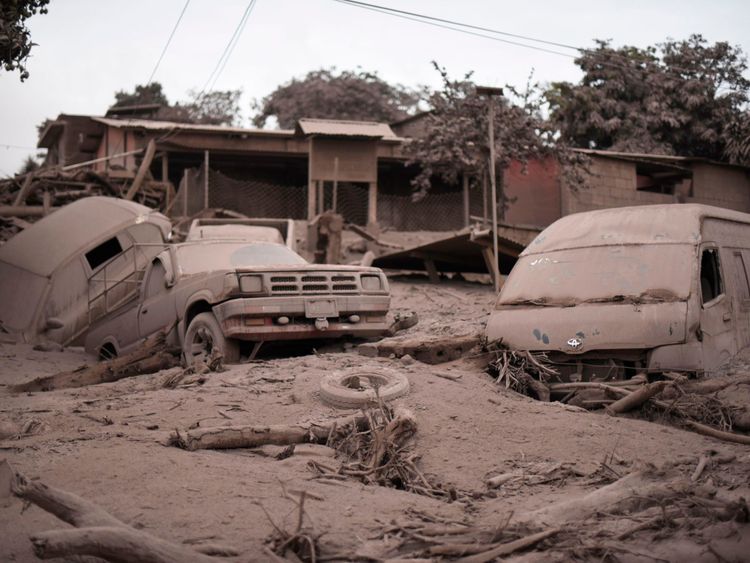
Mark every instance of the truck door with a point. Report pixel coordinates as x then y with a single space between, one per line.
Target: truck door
716 319
157 309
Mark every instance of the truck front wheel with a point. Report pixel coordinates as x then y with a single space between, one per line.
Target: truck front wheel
204 340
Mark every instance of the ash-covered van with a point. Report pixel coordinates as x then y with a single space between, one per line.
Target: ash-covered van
609 293
57 275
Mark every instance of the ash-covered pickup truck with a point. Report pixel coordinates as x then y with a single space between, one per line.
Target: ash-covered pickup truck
217 293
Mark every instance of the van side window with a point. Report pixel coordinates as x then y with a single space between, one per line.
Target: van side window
743 286
711 283
105 251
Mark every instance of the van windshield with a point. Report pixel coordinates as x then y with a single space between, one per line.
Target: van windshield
634 273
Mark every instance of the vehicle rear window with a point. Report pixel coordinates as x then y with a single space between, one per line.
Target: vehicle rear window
100 254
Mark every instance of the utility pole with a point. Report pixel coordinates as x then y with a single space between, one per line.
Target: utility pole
490 92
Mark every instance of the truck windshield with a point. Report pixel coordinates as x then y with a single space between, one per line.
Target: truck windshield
212 256
639 273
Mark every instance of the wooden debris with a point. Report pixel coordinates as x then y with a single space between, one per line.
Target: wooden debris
152 356
719 434
97 533
636 398
427 350
510 547
402 321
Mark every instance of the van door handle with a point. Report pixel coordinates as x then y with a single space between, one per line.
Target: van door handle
144 311
727 317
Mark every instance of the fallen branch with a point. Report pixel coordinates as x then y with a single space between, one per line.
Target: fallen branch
510 547
719 434
229 437
97 532
151 357
637 398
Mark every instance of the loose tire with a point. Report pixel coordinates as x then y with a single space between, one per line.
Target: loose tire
354 390
204 338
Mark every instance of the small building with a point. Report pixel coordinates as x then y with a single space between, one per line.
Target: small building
359 169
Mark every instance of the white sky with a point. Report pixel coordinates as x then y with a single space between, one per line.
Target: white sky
88 49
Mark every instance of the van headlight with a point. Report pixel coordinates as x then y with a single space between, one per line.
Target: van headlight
251 284
371 283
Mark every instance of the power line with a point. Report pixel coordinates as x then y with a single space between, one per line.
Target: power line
231 49
465 28
227 50
166 46
426 20
452 22
5 146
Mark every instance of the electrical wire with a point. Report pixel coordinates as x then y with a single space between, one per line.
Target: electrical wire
465 28
5 146
228 49
166 46
452 22
231 49
427 21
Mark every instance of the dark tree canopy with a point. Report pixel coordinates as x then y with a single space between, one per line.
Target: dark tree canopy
457 141
15 38
218 107
679 97
141 95
326 95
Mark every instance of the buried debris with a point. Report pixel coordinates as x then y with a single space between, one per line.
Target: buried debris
645 502
380 453
96 532
154 355
690 403
427 350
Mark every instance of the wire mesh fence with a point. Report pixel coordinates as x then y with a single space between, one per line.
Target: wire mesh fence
260 198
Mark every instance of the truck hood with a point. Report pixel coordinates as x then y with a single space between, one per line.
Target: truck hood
591 326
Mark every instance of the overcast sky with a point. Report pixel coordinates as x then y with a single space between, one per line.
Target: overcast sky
88 49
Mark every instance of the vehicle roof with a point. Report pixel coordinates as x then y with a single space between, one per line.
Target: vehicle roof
51 241
646 224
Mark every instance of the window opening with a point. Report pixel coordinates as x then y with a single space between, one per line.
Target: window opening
105 251
743 285
711 283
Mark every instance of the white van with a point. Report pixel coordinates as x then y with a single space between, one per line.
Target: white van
74 266
609 293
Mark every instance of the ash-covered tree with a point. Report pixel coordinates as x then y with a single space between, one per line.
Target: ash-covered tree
325 94
217 107
678 97
456 141
151 93
15 37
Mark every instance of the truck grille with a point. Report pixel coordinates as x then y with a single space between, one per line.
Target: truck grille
313 283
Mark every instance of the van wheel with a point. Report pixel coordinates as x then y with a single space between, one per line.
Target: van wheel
204 339
355 390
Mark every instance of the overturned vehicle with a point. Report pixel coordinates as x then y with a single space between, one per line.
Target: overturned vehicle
611 293
212 294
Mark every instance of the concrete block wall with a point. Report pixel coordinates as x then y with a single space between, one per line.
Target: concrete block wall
612 183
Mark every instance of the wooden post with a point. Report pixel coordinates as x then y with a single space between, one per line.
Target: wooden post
205 181
47 202
185 190
164 167
372 206
335 183
321 186
25 190
467 221
311 188
142 170
484 199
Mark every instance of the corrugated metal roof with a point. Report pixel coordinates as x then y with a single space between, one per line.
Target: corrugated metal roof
340 128
153 125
